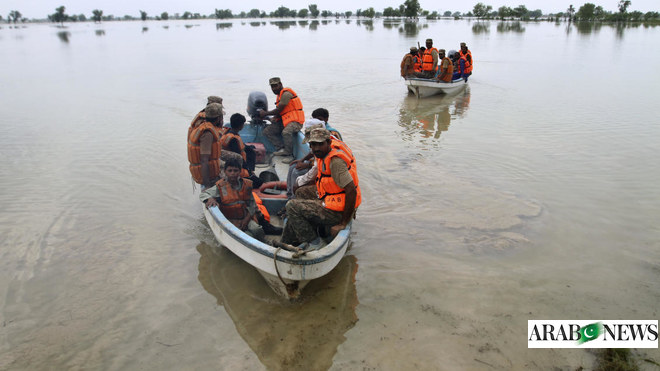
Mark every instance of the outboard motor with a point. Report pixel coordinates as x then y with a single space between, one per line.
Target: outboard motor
256 101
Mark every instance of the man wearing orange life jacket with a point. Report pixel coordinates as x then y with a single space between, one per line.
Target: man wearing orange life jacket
337 193
233 196
429 61
200 117
446 67
204 145
408 63
289 108
467 54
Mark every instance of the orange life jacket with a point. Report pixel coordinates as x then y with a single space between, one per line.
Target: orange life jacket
417 63
198 120
260 205
407 65
450 70
233 202
334 197
227 137
292 112
427 60
194 149
468 61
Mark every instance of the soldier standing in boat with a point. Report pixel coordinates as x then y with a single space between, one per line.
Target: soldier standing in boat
429 61
204 147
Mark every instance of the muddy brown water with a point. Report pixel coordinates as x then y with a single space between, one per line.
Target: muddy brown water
532 194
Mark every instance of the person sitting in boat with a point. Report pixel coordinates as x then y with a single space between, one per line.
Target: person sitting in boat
204 150
408 63
232 142
233 195
469 62
446 70
334 199
459 65
289 121
429 61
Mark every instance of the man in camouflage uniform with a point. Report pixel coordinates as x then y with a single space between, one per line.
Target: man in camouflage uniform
307 212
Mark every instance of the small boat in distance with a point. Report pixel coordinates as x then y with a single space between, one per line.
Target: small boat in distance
423 88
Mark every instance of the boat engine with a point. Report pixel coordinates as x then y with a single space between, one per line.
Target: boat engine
256 101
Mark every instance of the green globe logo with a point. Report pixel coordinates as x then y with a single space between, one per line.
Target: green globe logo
590 332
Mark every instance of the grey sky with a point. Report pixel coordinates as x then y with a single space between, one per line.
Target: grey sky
119 8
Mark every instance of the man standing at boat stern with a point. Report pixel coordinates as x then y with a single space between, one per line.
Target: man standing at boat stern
289 118
204 148
337 193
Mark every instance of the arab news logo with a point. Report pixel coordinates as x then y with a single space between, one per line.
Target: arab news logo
592 334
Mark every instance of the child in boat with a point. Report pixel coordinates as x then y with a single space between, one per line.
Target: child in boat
233 196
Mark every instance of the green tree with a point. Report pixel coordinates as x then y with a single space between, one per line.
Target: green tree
143 15
253 13
281 12
369 13
313 10
164 16
481 10
520 11
82 17
571 12
348 14
186 15
636 16
412 8
623 6
59 16
586 12
536 14
303 13
505 11
648 16
599 12
14 16
326 13
447 13
433 15
223 14
97 15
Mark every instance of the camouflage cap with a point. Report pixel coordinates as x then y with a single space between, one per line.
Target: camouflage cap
413 48
441 50
429 41
213 99
213 110
311 124
318 135
463 44
274 80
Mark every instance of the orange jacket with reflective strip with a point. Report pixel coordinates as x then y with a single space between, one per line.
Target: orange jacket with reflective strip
194 155
232 202
427 60
468 61
450 70
292 112
334 197
260 205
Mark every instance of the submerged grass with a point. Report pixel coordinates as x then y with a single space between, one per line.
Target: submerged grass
616 360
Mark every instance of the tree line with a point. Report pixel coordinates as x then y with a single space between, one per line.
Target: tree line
409 9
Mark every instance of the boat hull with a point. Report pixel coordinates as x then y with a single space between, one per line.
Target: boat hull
423 88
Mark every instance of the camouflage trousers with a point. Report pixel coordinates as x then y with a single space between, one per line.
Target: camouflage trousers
305 214
282 137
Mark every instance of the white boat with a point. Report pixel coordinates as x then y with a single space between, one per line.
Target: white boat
287 272
423 88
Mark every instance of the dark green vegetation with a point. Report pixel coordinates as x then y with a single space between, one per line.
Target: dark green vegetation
409 9
615 360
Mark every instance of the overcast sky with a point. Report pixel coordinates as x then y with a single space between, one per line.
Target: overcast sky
119 8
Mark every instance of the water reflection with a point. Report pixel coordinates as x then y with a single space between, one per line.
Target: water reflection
255 24
64 36
283 25
314 25
480 27
426 118
145 29
303 23
100 32
391 24
587 28
510 27
302 335
412 29
224 25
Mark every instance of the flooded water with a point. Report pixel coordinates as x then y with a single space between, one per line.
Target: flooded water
532 194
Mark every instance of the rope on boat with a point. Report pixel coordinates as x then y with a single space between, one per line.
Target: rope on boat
297 252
